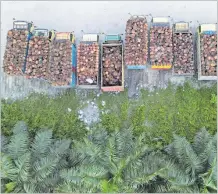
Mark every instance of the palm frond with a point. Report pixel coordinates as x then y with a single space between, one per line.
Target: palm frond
179 180
41 143
98 136
19 127
60 147
4 142
19 145
71 175
23 164
29 188
201 140
8 170
65 187
186 156
44 167
124 142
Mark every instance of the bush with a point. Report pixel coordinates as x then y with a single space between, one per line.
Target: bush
159 114
181 110
40 111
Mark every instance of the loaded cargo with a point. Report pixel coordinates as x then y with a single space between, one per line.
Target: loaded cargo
38 55
161 45
183 50
136 43
112 70
62 60
88 59
207 52
17 48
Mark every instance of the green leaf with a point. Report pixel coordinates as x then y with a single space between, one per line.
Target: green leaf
44 167
19 145
41 144
23 165
8 169
107 187
10 186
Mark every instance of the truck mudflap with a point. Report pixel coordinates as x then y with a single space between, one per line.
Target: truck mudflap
112 89
136 67
161 66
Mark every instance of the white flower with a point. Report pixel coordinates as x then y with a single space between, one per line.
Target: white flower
103 103
69 110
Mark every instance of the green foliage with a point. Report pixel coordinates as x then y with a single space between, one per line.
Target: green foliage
138 119
40 111
181 110
112 163
107 187
32 167
177 109
110 121
194 165
107 162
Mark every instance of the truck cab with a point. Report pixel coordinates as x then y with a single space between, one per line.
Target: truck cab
23 25
65 36
40 32
111 38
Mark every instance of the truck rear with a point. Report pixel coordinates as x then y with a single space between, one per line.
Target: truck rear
136 43
62 62
88 60
207 52
112 69
183 50
17 46
161 44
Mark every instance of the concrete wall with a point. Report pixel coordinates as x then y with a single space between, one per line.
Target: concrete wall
104 16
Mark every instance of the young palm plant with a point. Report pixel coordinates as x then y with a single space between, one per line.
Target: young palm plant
191 167
110 163
32 166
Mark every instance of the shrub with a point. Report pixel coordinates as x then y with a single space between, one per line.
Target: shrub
40 111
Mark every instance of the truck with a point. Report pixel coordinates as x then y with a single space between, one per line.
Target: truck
112 69
183 54
161 56
207 51
88 62
23 25
29 27
136 43
63 37
45 33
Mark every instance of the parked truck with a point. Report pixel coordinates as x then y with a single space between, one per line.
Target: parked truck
161 43
136 43
88 62
183 50
207 51
62 63
112 70
38 54
17 47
